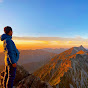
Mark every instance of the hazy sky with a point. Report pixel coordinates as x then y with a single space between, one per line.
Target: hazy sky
46 23
51 18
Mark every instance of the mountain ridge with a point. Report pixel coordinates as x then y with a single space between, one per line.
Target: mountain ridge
59 65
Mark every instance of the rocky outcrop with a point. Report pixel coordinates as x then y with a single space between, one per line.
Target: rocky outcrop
66 70
77 76
33 82
20 74
25 80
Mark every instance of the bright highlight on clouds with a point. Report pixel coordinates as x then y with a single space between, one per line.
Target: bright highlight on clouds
24 43
49 42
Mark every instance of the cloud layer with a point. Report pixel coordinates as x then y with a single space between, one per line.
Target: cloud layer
48 42
51 38
54 42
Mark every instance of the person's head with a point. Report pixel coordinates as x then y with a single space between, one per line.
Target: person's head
8 30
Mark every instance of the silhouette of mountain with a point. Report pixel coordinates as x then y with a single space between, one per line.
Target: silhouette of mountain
33 66
34 56
34 59
68 69
57 51
37 55
31 59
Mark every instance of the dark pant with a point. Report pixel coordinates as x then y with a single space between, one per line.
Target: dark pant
9 76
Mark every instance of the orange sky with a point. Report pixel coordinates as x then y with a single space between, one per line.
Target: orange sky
47 42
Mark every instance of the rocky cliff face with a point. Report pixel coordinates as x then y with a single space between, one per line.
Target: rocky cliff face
68 69
25 80
77 75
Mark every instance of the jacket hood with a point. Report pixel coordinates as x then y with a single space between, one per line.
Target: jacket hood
4 36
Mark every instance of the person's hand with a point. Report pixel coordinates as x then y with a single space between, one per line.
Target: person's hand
14 65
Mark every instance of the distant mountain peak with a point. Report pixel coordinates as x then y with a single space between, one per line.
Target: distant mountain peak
80 48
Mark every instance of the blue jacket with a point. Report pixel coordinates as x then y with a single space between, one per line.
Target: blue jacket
10 50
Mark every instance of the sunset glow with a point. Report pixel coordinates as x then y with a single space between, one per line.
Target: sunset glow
40 43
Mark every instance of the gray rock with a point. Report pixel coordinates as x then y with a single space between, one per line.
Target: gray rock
25 80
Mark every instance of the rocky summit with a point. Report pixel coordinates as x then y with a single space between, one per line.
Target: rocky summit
25 80
68 69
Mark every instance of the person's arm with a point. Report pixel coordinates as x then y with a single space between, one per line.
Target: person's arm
10 52
17 54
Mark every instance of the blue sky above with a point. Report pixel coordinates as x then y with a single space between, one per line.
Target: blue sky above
52 18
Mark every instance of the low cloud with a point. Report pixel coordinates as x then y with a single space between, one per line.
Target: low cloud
49 42
78 38
55 42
